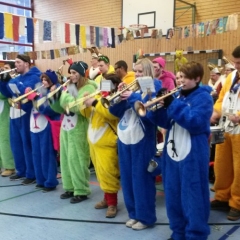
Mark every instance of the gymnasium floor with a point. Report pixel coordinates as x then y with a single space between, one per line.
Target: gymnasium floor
29 214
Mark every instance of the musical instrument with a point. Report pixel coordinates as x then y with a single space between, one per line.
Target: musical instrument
141 108
49 95
217 134
80 102
7 71
159 149
115 97
23 98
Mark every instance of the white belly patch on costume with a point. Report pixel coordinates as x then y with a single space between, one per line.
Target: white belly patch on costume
181 141
69 122
16 113
130 128
1 106
38 122
95 134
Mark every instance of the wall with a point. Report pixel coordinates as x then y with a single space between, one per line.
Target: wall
108 13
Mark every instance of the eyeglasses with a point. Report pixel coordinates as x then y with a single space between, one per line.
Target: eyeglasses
103 58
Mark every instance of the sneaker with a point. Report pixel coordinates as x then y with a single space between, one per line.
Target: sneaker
78 198
101 205
38 186
28 181
131 222
139 226
48 189
111 212
66 195
15 177
219 205
234 214
8 172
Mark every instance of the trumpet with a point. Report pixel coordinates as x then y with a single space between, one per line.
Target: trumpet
7 71
58 88
141 108
80 101
114 98
22 97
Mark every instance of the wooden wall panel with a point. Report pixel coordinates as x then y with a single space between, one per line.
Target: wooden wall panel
108 13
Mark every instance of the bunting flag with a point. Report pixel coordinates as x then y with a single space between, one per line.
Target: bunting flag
52 54
15 28
101 37
67 33
225 19
43 53
97 36
21 30
109 33
54 32
56 53
77 32
72 34
40 31
1 26
8 25
88 42
83 36
220 26
113 37
30 30
105 37
92 42
61 32
47 30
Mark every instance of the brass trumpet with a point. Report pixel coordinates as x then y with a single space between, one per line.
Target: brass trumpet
7 71
114 98
24 96
58 88
141 108
80 102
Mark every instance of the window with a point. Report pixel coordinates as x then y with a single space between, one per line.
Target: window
21 8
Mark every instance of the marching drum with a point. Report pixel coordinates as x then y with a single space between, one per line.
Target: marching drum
217 134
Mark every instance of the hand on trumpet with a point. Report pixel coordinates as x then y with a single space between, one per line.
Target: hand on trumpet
31 96
5 77
166 101
234 118
89 101
126 94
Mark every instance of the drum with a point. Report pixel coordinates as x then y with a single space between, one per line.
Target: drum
217 133
159 149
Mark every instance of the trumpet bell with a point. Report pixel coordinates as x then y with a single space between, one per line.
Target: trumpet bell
140 109
105 102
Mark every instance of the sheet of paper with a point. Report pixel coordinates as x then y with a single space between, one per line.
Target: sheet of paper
146 84
106 86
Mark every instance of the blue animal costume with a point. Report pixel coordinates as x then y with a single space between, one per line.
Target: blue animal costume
20 121
44 155
185 162
136 147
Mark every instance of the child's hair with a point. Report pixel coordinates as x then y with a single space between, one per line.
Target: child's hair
44 75
147 66
236 52
104 59
192 70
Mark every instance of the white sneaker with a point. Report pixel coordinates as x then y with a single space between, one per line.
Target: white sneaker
139 226
131 222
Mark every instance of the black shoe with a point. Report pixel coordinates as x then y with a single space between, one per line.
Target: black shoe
28 181
38 186
219 205
48 189
234 214
78 198
15 177
66 195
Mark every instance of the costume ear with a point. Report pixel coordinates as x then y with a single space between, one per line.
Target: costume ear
91 50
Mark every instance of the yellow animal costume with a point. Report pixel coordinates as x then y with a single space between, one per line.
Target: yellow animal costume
227 156
180 60
102 139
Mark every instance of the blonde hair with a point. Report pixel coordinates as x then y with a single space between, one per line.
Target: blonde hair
147 67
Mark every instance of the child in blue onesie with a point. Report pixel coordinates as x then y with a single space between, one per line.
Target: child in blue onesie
186 155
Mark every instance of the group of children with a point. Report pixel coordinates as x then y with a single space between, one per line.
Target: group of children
119 142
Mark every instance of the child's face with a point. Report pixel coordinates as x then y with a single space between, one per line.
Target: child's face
178 79
188 83
45 83
138 70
